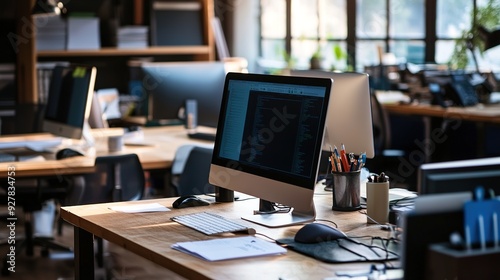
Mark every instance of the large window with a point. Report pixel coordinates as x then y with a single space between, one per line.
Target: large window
351 34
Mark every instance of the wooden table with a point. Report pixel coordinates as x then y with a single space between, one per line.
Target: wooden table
159 154
151 235
480 115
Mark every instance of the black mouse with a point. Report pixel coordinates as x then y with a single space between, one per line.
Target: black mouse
316 232
67 153
189 201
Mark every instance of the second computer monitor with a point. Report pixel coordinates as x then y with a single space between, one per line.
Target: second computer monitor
69 101
170 84
349 119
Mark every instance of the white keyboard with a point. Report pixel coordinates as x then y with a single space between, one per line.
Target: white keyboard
210 224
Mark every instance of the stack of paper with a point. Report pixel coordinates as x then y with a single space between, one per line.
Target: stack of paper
229 248
133 37
50 32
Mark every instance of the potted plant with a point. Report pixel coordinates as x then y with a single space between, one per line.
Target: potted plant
487 16
316 61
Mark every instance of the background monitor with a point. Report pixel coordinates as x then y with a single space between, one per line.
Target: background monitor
459 176
349 114
170 84
269 140
69 101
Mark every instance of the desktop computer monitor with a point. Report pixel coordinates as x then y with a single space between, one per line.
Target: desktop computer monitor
269 140
431 221
459 176
349 118
69 101
171 84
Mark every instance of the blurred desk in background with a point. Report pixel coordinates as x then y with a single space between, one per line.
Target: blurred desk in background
480 115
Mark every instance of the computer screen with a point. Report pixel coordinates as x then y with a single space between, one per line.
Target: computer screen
459 176
269 140
349 120
432 221
170 84
69 101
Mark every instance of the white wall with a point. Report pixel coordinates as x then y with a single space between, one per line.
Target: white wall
246 31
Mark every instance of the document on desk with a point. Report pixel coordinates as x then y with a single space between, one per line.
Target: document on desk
229 248
140 208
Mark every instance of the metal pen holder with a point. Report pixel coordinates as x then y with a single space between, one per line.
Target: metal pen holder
346 191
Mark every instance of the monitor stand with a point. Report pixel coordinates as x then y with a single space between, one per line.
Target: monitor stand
85 145
273 220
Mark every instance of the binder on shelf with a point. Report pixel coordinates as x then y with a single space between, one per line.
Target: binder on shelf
176 23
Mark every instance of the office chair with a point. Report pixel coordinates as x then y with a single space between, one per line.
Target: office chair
32 196
190 170
386 159
117 178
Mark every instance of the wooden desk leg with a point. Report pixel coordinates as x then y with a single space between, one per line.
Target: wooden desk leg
84 254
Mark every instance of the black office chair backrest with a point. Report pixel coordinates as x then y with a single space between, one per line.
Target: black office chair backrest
381 126
194 177
117 178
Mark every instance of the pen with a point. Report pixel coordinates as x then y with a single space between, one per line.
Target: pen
361 160
337 159
332 160
343 158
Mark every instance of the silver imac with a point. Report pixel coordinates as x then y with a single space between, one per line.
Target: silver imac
268 143
349 115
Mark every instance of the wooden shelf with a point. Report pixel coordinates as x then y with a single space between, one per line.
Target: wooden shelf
28 55
112 51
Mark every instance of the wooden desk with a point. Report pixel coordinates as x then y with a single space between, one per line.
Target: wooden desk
480 114
159 155
151 235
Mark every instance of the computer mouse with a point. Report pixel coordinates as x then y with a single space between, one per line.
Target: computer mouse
316 232
67 153
189 201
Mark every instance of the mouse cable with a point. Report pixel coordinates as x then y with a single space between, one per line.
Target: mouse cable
266 236
373 246
325 220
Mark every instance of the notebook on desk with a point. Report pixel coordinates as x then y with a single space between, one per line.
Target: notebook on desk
38 144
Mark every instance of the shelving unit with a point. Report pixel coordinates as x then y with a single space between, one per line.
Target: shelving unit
204 52
28 56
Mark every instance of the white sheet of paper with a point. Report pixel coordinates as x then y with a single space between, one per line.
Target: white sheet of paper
140 208
229 248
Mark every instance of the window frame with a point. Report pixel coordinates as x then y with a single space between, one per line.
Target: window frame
429 40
